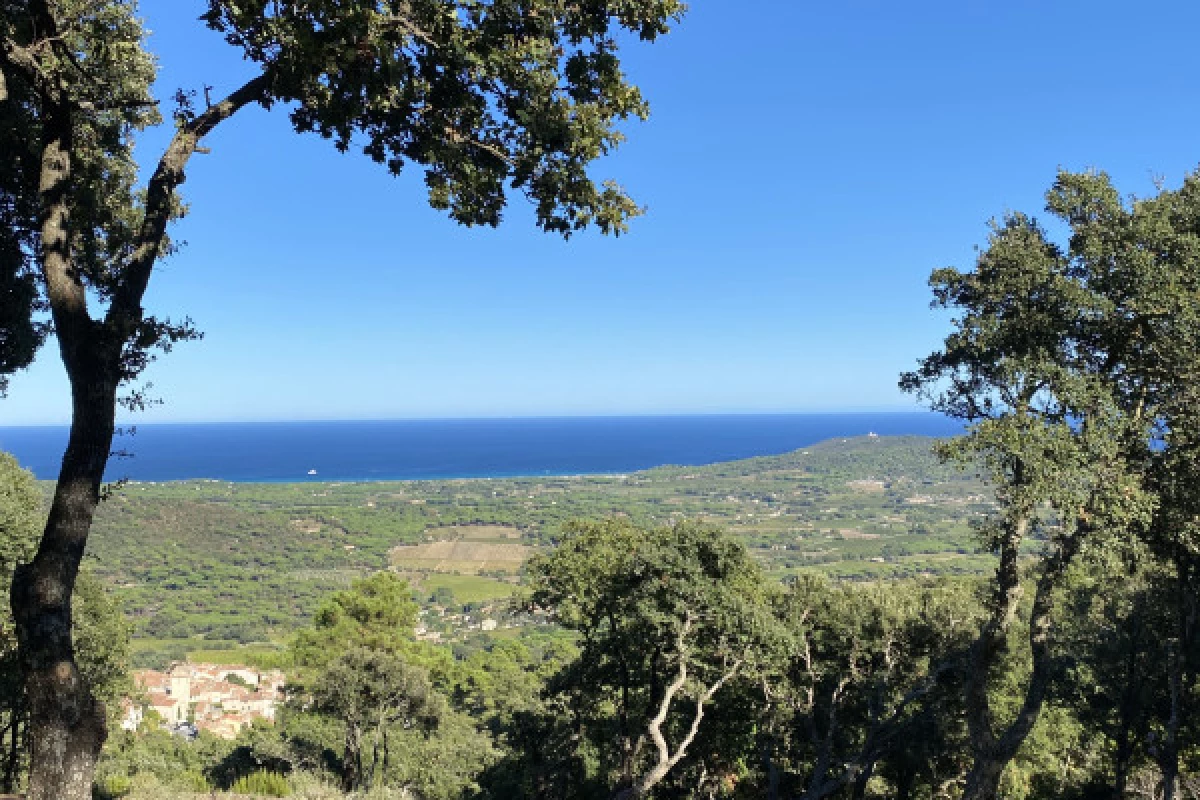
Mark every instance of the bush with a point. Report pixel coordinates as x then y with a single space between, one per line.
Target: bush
271 784
192 779
112 787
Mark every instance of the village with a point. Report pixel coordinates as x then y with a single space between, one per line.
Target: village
221 699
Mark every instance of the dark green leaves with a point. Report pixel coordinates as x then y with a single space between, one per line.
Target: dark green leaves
487 97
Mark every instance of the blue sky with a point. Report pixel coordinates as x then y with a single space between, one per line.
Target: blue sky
806 166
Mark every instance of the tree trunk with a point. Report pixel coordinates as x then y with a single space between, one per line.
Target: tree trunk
1122 762
352 759
818 786
12 764
666 759
1126 711
1178 682
861 780
983 781
992 752
67 725
1169 758
771 765
905 782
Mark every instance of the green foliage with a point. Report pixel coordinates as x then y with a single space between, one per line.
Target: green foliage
154 755
267 784
100 631
377 612
682 606
1075 365
487 97
442 596
102 641
367 688
112 787
99 66
371 692
21 517
236 679
246 564
869 678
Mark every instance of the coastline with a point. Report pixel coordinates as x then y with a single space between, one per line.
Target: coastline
467 449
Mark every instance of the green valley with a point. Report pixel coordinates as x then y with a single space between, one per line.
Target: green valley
204 564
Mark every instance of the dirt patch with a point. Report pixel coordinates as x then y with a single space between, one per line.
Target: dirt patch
855 533
460 556
474 533
306 525
867 486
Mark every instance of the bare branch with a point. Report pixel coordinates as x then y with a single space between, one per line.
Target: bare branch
126 305
666 759
412 29
459 138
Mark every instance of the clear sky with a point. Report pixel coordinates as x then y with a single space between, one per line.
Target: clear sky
806 166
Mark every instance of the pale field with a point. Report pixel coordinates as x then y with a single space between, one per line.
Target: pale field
466 549
474 532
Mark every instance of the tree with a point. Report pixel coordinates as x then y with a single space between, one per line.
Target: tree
668 617
486 96
370 691
20 518
101 633
1047 364
1156 265
1116 681
866 669
377 612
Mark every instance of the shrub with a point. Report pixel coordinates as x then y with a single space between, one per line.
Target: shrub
112 787
271 784
192 779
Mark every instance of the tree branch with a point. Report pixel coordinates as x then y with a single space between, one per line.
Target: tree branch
666 759
655 726
125 309
23 61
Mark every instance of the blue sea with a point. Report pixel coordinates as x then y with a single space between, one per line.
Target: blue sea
461 448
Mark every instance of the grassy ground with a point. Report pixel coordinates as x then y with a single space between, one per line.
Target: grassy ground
466 588
304 787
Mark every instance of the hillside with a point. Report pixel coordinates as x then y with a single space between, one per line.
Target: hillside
248 562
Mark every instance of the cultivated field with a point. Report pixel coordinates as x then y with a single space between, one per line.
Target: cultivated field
464 549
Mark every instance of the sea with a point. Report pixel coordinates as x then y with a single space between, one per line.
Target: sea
455 448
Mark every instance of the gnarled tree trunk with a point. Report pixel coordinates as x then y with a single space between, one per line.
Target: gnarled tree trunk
66 723
352 766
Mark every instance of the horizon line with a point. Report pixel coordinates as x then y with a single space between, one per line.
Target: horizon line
485 418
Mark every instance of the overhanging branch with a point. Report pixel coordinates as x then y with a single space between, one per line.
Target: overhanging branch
127 300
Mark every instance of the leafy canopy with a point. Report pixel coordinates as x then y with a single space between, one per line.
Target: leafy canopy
377 612
489 98
101 64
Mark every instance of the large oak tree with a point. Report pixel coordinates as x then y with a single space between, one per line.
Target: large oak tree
488 97
1074 366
